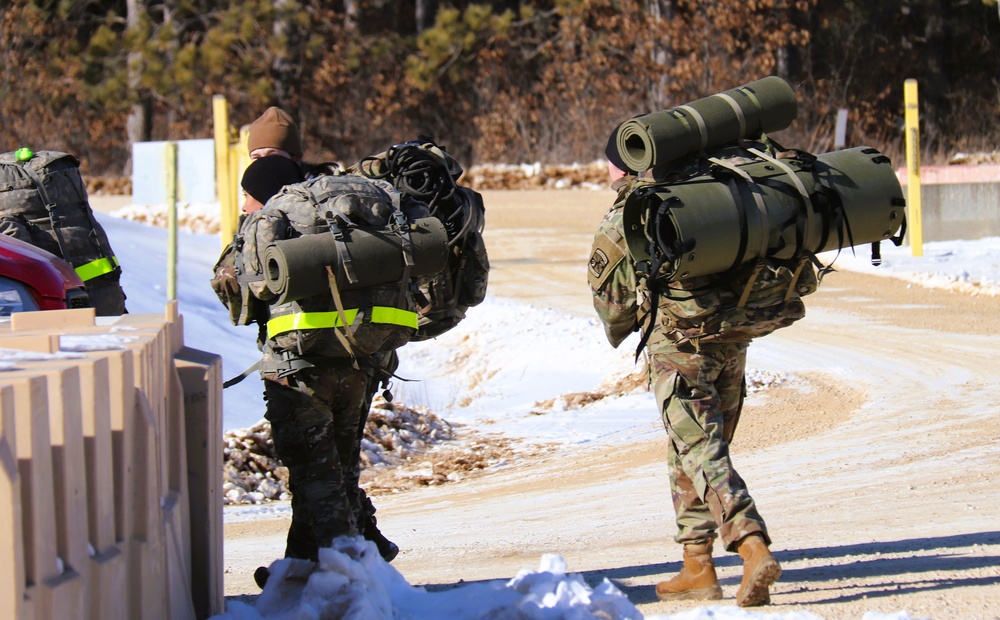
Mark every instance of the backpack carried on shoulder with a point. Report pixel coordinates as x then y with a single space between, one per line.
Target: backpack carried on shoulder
335 258
43 201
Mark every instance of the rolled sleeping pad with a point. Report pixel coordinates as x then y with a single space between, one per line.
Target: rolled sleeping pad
658 139
705 227
296 268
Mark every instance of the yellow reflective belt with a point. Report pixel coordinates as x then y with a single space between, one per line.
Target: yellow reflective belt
319 320
394 316
96 268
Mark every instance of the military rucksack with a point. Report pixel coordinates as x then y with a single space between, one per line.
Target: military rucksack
424 172
748 303
334 259
43 201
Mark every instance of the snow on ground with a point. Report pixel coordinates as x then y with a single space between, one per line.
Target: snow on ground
970 267
532 355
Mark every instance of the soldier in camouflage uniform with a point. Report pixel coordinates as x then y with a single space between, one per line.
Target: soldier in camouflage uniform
696 359
275 133
317 409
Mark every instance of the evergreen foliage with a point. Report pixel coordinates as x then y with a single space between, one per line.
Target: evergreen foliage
504 80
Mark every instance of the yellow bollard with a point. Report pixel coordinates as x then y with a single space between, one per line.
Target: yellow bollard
914 216
170 162
223 171
244 155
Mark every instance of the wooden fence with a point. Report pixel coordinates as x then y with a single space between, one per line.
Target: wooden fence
110 469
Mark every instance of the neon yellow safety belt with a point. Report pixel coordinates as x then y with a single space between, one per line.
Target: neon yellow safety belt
394 316
320 320
96 268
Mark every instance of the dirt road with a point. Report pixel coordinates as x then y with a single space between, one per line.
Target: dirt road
877 474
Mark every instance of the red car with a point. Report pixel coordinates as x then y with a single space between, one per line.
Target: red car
33 279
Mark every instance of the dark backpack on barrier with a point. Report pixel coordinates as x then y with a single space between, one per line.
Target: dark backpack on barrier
43 201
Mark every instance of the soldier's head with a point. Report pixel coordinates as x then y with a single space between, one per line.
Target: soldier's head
265 177
616 167
274 133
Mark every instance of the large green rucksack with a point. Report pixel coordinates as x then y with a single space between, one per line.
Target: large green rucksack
43 201
330 265
726 241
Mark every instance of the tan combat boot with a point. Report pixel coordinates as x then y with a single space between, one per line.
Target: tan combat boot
760 570
697 579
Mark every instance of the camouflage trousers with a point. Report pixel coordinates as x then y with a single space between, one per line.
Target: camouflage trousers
700 394
317 423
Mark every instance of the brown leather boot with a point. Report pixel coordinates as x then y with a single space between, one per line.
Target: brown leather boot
697 579
760 570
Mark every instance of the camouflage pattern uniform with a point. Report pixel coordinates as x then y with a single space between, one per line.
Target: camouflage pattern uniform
317 421
317 395
696 360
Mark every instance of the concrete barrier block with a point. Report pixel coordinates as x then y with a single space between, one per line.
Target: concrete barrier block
12 580
200 375
39 343
52 319
34 462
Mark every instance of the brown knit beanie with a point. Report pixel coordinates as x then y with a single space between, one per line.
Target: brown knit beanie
275 129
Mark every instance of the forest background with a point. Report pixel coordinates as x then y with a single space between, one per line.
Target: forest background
500 82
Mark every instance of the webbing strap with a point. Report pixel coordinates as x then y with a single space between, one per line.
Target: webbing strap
240 377
408 261
758 200
753 278
96 268
752 97
765 231
49 207
736 110
323 320
806 200
702 129
795 278
345 332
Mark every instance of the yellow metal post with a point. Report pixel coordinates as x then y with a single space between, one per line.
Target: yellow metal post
235 176
244 154
914 218
223 170
170 163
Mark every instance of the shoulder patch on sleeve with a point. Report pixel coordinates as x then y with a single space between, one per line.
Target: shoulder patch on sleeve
607 252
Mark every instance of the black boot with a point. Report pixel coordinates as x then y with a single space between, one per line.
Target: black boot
261 576
386 548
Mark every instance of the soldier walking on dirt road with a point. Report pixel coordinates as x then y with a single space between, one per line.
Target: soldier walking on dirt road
695 351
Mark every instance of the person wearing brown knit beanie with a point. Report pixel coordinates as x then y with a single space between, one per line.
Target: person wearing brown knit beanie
275 146
274 133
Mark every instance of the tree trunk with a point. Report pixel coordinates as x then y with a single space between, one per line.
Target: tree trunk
661 12
286 66
351 14
139 124
934 91
425 14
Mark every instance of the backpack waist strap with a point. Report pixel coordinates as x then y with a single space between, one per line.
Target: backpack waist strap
95 268
322 320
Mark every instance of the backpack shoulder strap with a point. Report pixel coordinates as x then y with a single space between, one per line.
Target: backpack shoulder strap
49 207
